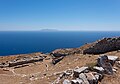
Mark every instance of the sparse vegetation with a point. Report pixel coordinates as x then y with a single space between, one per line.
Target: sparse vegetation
91 65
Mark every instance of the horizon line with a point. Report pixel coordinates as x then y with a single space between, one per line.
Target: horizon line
60 31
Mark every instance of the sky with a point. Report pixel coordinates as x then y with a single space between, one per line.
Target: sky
72 15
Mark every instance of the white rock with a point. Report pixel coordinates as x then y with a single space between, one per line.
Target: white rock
83 77
66 81
79 70
77 81
113 58
104 62
97 77
99 68
74 81
80 81
91 78
114 70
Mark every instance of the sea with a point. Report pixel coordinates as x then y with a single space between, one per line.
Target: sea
23 42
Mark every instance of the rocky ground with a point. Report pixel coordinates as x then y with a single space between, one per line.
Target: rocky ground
47 72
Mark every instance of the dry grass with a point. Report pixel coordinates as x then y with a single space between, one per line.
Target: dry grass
43 72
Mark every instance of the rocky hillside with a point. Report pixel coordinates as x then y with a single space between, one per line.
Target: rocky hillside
98 47
104 45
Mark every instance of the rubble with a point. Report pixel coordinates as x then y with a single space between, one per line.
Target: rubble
104 62
79 70
21 61
84 78
91 76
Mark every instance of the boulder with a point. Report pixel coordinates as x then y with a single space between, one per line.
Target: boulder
60 52
80 81
98 69
113 58
84 78
77 81
104 62
79 70
91 78
57 59
98 76
68 72
74 82
66 81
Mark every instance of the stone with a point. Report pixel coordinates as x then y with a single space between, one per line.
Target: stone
91 78
114 70
24 61
74 82
113 58
98 69
98 76
79 70
77 81
66 81
80 81
84 78
68 72
56 60
104 62
64 52
62 75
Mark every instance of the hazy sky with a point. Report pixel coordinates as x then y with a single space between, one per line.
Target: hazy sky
97 15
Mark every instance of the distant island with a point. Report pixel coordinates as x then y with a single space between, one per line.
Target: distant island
49 30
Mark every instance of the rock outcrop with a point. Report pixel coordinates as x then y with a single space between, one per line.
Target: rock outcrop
104 45
99 47
64 52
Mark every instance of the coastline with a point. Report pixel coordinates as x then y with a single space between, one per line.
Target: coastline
30 68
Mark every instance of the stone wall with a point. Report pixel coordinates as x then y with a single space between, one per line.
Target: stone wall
104 45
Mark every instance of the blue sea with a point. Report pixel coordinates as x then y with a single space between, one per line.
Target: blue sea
35 41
